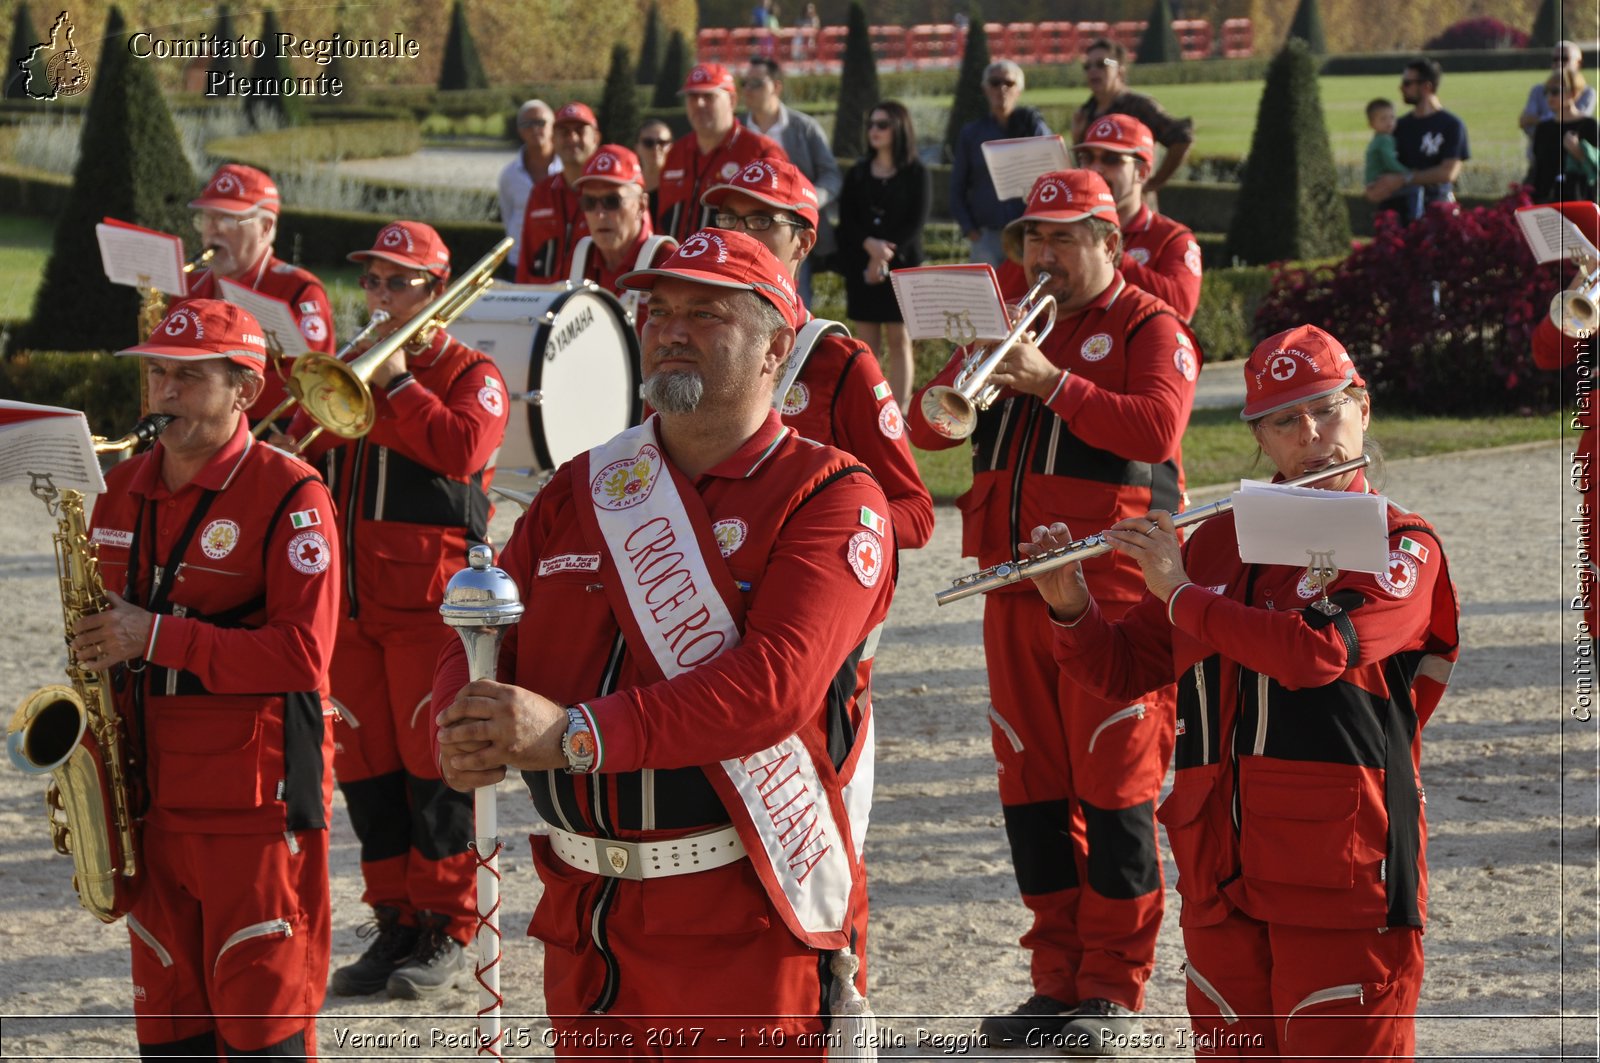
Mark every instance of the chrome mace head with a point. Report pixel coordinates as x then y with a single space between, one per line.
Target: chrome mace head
481 595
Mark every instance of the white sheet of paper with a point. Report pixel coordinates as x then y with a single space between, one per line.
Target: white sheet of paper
956 303
48 440
1551 237
1015 164
1279 525
275 316
141 258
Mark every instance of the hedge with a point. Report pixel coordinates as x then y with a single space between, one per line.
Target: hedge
105 388
320 143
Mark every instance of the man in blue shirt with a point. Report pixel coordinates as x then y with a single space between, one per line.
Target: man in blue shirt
1431 142
981 213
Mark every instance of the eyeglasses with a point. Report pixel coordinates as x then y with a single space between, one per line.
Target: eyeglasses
1001 83
225 222
1322 416
880 123
652 143
612 202
396 283
1099 64
754 223
531 123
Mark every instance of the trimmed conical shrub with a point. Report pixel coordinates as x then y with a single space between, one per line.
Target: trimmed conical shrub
224 31
650 48
23 39
1160 41
970 103
1547 25
1289 206
858 87
132 167
284 108
461 69
619 105
674 69
1307 26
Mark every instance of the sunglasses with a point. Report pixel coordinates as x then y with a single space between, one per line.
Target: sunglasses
1001 83
755 223
880 123
612 202
372 282
652 143
1098 64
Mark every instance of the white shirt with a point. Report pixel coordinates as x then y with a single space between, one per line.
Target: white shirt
516 184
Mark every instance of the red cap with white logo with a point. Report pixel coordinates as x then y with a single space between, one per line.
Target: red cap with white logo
1298 365
775 182
709 77
199 330
411 244
575 112
1069 195
236 189
726 258
613 163
1121 133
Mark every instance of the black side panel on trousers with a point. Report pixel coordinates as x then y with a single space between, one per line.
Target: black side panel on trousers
374 807
1122 850
304 728
289 1048
1400 796
1041 846
441 818
201 1045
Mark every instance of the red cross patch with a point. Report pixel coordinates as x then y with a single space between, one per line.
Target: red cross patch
309 553
865 554
1399 577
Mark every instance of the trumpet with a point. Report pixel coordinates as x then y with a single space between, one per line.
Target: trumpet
952 411
337 395
378 318
1576 310
1009 572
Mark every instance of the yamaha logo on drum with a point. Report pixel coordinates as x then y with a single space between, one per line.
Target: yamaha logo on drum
559 341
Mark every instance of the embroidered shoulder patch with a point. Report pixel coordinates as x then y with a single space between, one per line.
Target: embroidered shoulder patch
1399 577
890 423
865 554
309 553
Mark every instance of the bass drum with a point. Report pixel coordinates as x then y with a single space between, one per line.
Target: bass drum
571 361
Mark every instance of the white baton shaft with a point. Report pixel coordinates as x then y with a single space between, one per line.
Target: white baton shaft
485 808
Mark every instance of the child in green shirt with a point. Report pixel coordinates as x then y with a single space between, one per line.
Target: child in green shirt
1382 158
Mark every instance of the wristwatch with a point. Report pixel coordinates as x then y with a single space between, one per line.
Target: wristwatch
577 744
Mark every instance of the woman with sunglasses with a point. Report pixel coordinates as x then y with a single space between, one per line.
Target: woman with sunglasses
882 209
1105 65
621 237
1296 814
1564 146
411 497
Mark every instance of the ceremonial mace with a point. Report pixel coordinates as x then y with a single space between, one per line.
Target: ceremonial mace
480 602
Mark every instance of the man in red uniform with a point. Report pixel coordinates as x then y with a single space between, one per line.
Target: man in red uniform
698 591
835 392
412 497
237 215
1091 427
719 149
554 222
621 237
1296 816
223 577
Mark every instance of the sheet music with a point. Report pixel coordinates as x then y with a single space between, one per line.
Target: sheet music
1551 236
141 258
1015 164
274 315
957 303
1278 525
48 440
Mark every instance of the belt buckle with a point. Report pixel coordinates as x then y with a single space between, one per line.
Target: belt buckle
618 859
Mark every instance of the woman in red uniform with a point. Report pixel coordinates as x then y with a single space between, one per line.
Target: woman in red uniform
1296 817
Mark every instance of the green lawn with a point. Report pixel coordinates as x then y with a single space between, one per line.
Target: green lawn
24 246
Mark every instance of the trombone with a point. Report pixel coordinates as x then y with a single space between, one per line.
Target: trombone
337 395
378 318
952 411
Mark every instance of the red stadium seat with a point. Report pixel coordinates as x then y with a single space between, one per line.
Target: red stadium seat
1238 38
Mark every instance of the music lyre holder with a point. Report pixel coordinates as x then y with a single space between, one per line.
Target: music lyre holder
1321 572
958 327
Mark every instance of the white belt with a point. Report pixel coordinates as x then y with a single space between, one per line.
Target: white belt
642 860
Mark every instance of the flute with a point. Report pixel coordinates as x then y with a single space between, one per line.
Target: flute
1009 572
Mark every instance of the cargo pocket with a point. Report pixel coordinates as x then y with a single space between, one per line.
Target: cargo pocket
1194 851
1298 830
403 577
207 752
724 900
560 918
972 510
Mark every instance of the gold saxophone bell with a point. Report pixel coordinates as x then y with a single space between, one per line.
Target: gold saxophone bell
337 395
952 411
1576 310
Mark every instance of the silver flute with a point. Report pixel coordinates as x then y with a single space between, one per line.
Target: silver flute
1009 572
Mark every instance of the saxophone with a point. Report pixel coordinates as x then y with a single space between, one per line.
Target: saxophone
75 733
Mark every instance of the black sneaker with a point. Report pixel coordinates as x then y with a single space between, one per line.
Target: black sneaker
1098 1027
437 964
1033 1025
391 944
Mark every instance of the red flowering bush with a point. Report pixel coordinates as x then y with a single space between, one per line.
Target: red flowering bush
1478 33
1438 314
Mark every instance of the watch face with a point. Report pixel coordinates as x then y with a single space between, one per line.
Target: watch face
580 745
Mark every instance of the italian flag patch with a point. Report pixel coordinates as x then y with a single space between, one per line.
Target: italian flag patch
1414 548
305 518
872 521
881 390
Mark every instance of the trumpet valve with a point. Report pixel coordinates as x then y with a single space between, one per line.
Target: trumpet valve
949 412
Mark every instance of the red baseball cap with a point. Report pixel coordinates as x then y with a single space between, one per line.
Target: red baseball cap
1121 133
576 112
411 244
236 189
725 258
1298 365
613 163
709 77
775 182
1069 195
199 330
